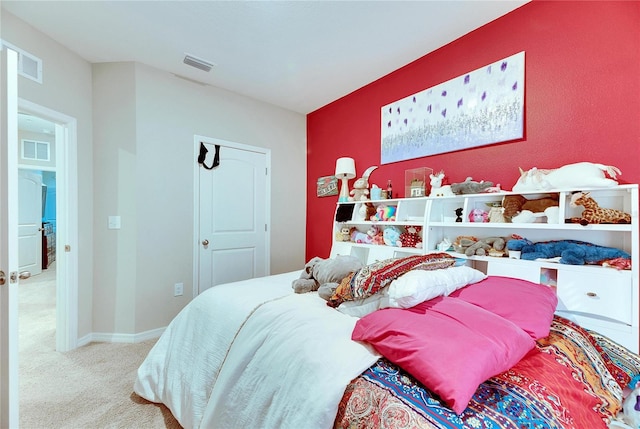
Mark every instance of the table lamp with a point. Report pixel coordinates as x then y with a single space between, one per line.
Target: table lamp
345 170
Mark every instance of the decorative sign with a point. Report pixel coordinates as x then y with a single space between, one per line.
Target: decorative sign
327 186
479 108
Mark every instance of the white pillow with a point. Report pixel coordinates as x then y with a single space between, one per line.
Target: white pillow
418 286
364 306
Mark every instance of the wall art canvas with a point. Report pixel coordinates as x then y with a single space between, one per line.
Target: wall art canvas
482 107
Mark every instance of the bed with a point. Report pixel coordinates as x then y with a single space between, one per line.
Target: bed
459 350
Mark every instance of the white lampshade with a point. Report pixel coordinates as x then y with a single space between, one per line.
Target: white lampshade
345 168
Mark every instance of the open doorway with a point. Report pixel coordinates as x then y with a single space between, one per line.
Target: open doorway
37 227
61 227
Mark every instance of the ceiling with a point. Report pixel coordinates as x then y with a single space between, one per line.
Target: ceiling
299 55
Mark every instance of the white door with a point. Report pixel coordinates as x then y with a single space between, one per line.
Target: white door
9 240
30 222
233 215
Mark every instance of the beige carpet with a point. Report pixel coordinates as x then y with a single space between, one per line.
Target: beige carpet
90 387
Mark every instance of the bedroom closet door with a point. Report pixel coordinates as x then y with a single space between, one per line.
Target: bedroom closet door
233 214
9 239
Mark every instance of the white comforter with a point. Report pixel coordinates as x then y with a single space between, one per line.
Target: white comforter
253 354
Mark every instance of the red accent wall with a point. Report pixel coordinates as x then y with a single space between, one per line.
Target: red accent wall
582 103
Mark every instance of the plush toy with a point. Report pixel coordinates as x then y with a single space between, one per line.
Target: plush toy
360 191
513 204
360 237
390 235
496 214
470 187
344 234
366 210
478 215
462 242
593 213
411 237
492 246
570 252
438 189
324 275
578 175
375 234
384 213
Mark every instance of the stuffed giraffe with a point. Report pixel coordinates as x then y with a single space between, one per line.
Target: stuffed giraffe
593 213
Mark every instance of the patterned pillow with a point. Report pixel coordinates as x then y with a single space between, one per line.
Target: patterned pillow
372 278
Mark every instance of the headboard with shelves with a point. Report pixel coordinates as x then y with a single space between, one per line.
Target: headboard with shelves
599 298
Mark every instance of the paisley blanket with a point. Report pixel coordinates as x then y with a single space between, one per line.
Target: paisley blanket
576 382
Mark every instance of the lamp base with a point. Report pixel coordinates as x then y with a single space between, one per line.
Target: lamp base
344 191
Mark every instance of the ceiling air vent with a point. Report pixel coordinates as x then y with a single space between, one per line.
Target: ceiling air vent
198 63
29 65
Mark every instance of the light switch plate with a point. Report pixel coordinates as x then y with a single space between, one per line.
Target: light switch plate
114 222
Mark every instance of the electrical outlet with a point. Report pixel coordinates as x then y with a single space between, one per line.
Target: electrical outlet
178 288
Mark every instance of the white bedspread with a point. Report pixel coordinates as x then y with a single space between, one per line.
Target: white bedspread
253 354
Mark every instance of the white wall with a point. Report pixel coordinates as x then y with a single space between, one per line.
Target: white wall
66 88
135 159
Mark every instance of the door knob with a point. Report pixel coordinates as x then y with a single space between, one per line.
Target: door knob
205 242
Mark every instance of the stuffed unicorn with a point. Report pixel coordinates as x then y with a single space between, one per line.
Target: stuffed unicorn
578 175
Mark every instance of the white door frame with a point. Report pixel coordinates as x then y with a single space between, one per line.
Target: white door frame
66 223
9 239
196 201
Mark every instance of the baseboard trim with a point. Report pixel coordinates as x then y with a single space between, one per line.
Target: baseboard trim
105 337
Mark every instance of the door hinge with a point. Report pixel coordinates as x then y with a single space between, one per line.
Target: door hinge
266 171
265 227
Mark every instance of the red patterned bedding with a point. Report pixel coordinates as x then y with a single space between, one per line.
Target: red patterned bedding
574 380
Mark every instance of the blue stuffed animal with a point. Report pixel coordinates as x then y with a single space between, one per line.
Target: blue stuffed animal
571 252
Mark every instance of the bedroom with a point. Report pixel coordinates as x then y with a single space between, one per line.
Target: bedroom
593 59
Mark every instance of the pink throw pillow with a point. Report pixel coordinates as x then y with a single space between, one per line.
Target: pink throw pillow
528 305
447 344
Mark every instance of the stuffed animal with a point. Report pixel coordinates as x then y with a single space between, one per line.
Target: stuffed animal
578 175
462 242
384 213
513 204
478 215
570 252
375 234
344 234
360 237
360 191
593 213
324 275
491 246
391 235
496 214
438 189
411 237
470 187
366 210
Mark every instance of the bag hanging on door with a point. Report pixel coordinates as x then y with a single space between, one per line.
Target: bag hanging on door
203 156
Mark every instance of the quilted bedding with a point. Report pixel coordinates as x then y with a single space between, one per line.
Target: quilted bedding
253 354
573 383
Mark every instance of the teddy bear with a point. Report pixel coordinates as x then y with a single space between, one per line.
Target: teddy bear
324 275
570 252
411 237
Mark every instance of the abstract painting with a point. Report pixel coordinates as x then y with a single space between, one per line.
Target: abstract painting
482 107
